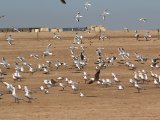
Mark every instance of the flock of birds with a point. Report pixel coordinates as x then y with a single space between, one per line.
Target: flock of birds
80 61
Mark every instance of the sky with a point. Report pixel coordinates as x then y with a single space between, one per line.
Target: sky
52 13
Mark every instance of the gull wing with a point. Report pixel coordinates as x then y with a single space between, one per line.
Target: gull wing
63 1
48 47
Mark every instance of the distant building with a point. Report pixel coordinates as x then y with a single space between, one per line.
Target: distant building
97 28
75 29
39 29
44 29
56 30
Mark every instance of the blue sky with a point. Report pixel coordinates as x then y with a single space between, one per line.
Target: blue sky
51 13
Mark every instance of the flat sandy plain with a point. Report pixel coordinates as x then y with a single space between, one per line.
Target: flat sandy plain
99 103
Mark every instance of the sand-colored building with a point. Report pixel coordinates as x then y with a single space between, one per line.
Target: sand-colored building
97 28
44 29
56 30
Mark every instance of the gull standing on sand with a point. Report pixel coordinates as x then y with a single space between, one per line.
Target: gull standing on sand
9 87
5 63
136 85
78 38
9 39
56 36
15 95
27 95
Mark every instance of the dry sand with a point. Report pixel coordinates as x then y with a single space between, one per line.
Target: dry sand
100 103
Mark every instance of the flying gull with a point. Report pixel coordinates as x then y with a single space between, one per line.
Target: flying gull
104 14
63 1
87 4
78 16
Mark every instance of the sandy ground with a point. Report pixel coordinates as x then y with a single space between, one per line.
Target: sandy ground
99 103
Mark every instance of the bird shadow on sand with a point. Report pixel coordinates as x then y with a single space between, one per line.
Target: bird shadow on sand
91 96
76 72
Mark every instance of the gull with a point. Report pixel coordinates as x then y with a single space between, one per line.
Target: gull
27 95
62 85
140 57
126 29
60 78
71 82
41 66
137 86
96 77
16 76
19 68
123 53
41 88
154 63
78 38
56 36
2 16
72 49
78 16
82 56
5 63
1 76
102 37
83 48
130 65
143 19
147 35
47 50
120 87
15 29
63 1
31 69
156 82
115 78
58 64
99 51
49 63
9 87
74 88
106 82
46 91
111 59
87 4
48 83
1 94
81 94
15 95
85 77
104 14
136 35
9 39
22 59
132 82
34 55
45 71
19 87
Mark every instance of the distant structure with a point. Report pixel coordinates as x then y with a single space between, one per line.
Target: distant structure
97 28
75 29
